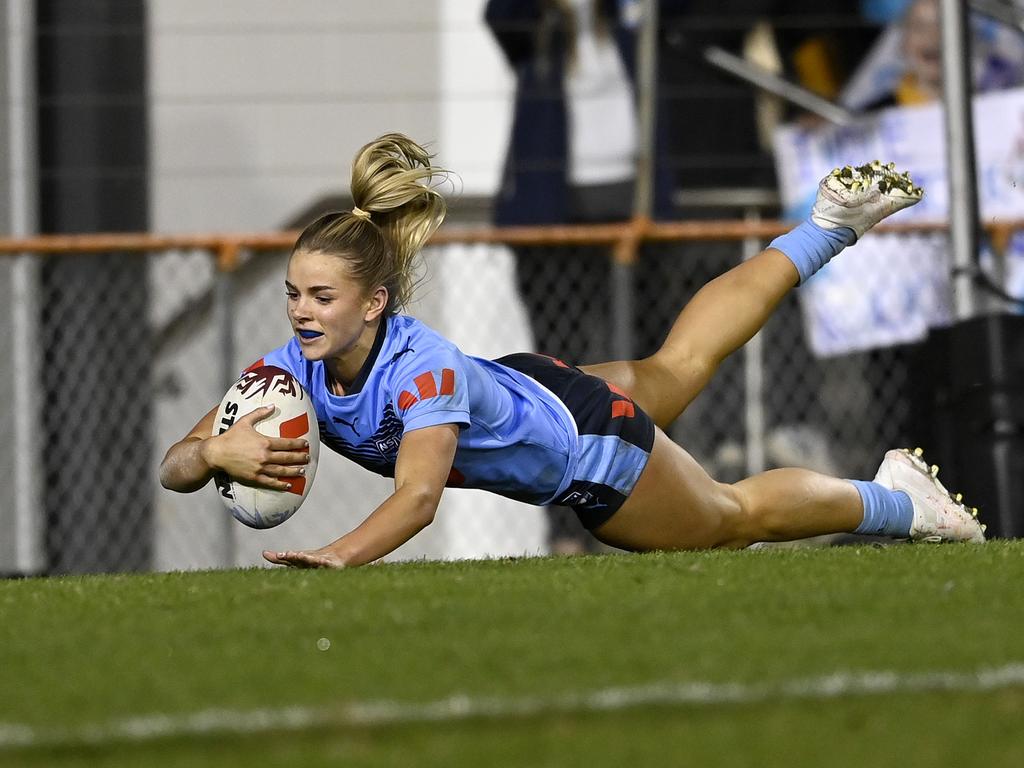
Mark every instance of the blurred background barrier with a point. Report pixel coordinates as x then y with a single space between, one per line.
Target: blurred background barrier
217 305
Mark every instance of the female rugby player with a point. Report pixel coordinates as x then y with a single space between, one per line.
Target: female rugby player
403 401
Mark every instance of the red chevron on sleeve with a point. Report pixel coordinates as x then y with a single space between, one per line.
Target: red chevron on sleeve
447 381
406 400
426 386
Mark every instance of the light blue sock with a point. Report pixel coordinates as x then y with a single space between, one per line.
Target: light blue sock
886 512
810 247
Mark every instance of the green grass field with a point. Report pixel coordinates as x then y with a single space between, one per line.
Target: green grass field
556 661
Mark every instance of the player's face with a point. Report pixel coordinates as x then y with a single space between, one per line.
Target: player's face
329 311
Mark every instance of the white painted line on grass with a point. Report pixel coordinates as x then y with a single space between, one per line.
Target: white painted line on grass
454 708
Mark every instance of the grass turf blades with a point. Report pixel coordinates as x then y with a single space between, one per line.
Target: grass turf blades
79 651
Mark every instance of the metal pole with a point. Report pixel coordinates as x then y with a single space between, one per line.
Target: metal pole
622 297
24 522
26 405
647 92
625 254
779 86
224 313
753 373
963 192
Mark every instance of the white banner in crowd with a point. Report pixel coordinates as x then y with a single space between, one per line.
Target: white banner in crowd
891 288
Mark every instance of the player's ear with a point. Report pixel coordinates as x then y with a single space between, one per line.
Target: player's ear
377 303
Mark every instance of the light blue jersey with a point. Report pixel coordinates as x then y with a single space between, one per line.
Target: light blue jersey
516 438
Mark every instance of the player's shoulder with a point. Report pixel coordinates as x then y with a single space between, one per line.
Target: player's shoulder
406 327
289 357
426 375
412 342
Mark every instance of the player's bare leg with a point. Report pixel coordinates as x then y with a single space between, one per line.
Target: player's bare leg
677 505
729 310
736 304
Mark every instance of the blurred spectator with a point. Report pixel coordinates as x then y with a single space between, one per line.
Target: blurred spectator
571 160
922 55
574 126
905 68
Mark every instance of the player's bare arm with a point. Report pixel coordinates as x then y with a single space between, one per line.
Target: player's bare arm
424 463
241 452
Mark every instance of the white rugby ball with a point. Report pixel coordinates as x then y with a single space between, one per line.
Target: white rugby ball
293 417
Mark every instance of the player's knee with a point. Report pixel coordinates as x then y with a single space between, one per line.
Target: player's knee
737 517
684 363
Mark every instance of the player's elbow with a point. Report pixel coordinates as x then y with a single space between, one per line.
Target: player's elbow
427 500
423 499
180 470
169 479
166 478
172 481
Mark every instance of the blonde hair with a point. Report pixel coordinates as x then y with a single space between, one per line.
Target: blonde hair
397 208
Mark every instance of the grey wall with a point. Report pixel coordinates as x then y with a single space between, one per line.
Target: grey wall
258 106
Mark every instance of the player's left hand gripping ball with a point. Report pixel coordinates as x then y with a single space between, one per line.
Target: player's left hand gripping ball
293 418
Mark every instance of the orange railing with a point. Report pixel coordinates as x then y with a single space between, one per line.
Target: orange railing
625 237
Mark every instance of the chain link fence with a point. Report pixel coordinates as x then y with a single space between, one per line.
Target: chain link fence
774 403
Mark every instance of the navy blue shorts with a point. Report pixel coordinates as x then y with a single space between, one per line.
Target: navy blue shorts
615 436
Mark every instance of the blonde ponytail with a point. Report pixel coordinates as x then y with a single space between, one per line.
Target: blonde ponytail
397 209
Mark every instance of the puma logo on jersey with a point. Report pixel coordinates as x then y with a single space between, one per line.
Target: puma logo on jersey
350 424
426 386
397 355
379 451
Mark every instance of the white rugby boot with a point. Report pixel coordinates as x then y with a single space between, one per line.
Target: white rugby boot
938 516
861 197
